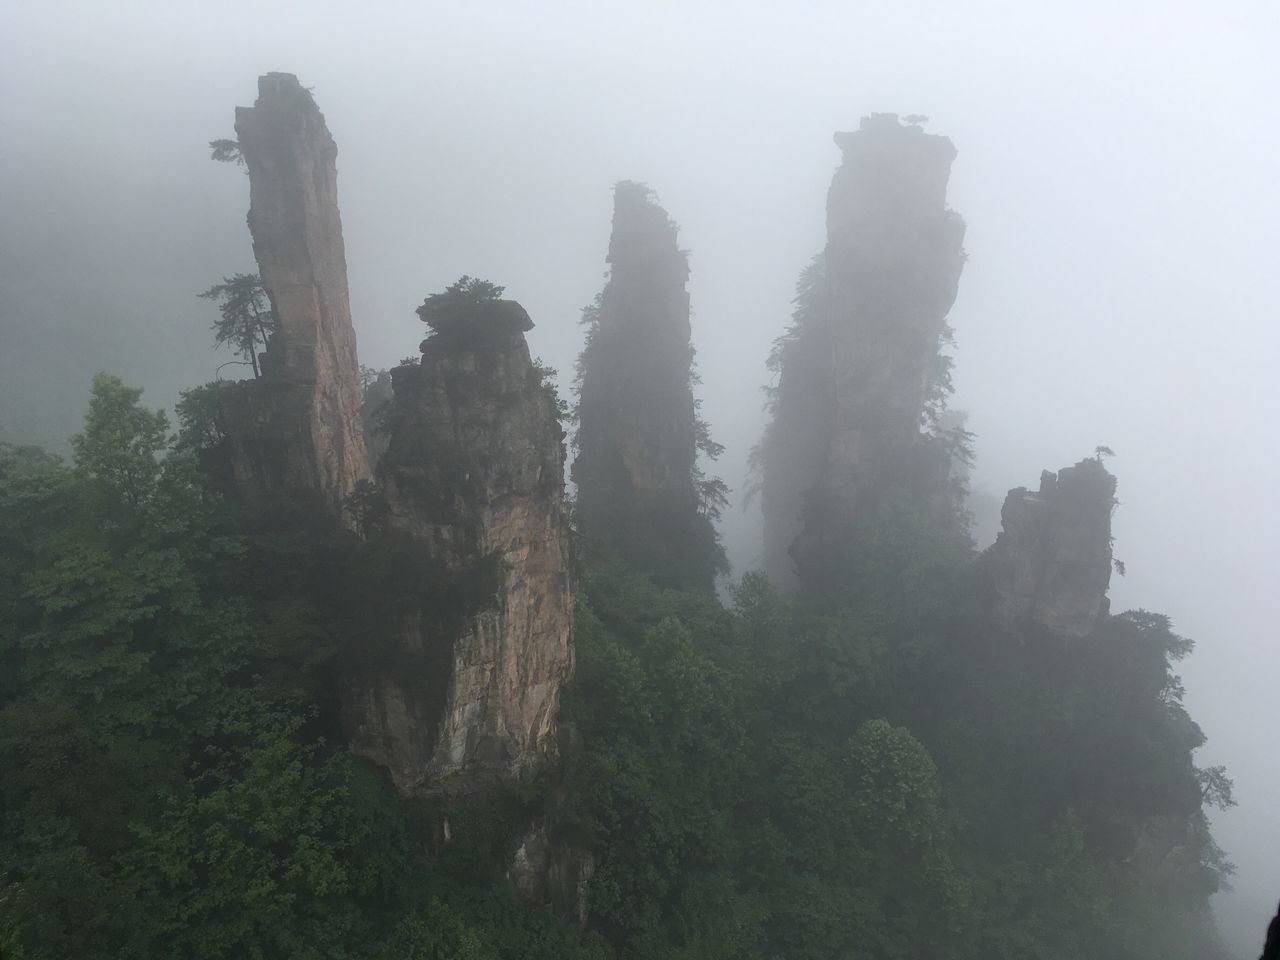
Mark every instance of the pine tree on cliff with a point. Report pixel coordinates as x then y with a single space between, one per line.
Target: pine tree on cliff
641 495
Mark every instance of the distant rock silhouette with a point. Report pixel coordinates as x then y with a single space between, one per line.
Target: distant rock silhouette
1271 950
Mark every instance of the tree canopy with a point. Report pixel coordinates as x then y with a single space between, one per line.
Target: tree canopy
873 772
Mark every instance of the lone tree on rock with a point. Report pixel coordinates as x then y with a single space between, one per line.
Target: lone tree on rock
473 308
247 320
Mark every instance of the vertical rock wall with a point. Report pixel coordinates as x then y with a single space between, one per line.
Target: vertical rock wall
870 351
297 429
637 412
636 469
1051 563
457 687
792 451
474 475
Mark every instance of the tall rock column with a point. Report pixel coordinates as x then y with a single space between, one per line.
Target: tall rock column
297 430
791 454
465 692
1051 563
639 488
865 351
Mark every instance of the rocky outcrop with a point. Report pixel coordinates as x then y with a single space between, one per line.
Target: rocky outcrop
452 670
550 872
639 487
474 477
869 349
1051 563
296 431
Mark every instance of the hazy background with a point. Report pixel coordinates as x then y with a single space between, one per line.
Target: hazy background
1117 170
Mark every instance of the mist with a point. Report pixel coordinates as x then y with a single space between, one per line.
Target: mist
1116 171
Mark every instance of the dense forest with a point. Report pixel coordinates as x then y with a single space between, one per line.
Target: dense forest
330 666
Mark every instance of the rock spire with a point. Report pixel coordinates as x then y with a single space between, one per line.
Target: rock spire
862 376
1051 563
297 430
640 491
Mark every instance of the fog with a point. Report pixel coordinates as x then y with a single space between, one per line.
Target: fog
1117 171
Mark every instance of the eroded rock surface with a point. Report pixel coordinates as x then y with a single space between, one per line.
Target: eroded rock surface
639 487
863 369
1051 563
474 475
893 261
297 430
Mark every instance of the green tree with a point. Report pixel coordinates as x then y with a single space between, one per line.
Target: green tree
473 307
121 443
245 319
166 786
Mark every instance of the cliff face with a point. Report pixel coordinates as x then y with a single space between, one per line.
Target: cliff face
452 677
866 353
474 476
297 429
794 448
1051 564
638 437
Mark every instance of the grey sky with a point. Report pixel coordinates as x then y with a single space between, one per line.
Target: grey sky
1117 170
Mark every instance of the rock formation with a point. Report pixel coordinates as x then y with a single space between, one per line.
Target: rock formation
1051 564
375 409
791 454
639 487
474 477
297 431
451 678
863 371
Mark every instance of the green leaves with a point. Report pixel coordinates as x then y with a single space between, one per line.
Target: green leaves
872 771
472 308
165 789
246 319
121 443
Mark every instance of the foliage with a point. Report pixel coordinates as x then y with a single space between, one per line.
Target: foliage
245 319
547 376
226 151
474 309
868 770
172 785
199 421
368 508
875 770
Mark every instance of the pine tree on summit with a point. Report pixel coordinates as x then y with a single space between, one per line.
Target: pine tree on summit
641 495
